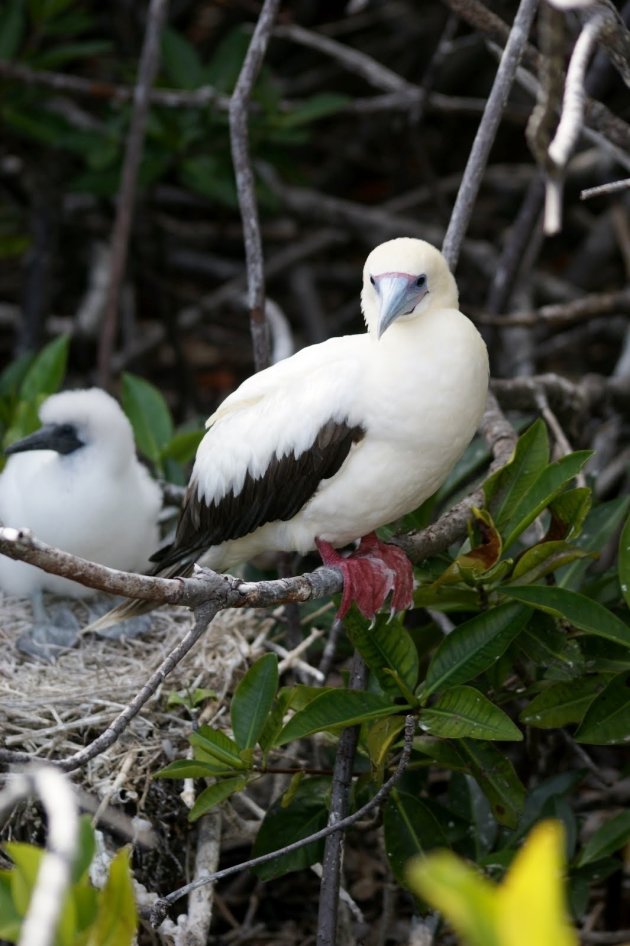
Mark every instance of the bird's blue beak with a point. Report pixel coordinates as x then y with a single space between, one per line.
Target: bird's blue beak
62 438
399 294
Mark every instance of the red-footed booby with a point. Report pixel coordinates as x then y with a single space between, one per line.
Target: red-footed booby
76 483
341 438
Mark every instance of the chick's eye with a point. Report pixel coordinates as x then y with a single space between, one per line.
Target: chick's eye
421 281
372 280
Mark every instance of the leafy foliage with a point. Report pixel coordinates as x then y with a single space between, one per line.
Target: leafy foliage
89 917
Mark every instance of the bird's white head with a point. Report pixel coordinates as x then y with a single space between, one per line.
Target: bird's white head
403 278
73 420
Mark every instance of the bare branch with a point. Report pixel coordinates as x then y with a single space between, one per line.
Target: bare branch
245 182
612 187
478 158
147 71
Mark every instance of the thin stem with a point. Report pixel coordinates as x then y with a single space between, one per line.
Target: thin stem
149 62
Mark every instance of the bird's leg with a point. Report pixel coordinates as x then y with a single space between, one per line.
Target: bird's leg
370 573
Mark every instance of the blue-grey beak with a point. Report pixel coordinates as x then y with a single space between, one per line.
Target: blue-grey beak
399 294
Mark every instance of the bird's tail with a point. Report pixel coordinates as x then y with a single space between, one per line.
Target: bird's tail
134 607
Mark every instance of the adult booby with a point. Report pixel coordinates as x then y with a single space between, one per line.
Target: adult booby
343 437
76 483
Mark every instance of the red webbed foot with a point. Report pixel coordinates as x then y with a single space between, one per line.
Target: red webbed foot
369 574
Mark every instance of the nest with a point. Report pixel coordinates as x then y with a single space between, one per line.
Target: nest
51 710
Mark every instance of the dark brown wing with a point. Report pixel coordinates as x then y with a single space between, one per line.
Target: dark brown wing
287 485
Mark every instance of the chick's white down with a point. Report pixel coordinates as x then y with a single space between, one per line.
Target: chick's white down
96 501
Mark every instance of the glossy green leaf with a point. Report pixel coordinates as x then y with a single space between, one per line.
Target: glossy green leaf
149 415
189 768
181 61
545 488
607 720
117 919
253 699
562 703
601 525
410 829
86 848
544 643
47 370
334 710
497 779
27 859
381 735
212 744
385 645
569 511
474 646
282 825
624 561
544 559
612 836
463 711
505 489
577 609
215 794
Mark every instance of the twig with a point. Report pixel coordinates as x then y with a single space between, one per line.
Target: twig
149 61
477 160
53 879
245 183
558 315
160 908
611 188
339 807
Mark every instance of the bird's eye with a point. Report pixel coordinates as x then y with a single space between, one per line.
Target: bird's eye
421 281
372 280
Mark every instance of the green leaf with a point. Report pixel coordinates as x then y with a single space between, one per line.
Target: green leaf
212 744
68 52
336 709
379 739
46 373
544 558
215 794
505 488
546 487
463 711
497 779
306 814
562 703
624 561
317 106
607 720
577 609
181 61
117 919
545 644
11 28
86 848
410 829
386 645
474 646
146 409
183 446
27 859
253 699
569 511
601 524
189 768
10 918
612 836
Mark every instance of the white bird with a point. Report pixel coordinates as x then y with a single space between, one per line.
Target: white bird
77 484
343 437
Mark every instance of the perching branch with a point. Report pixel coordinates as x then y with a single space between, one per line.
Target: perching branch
245 182
53 879
159 910
149 62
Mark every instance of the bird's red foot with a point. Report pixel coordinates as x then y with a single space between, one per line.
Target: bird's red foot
369 574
